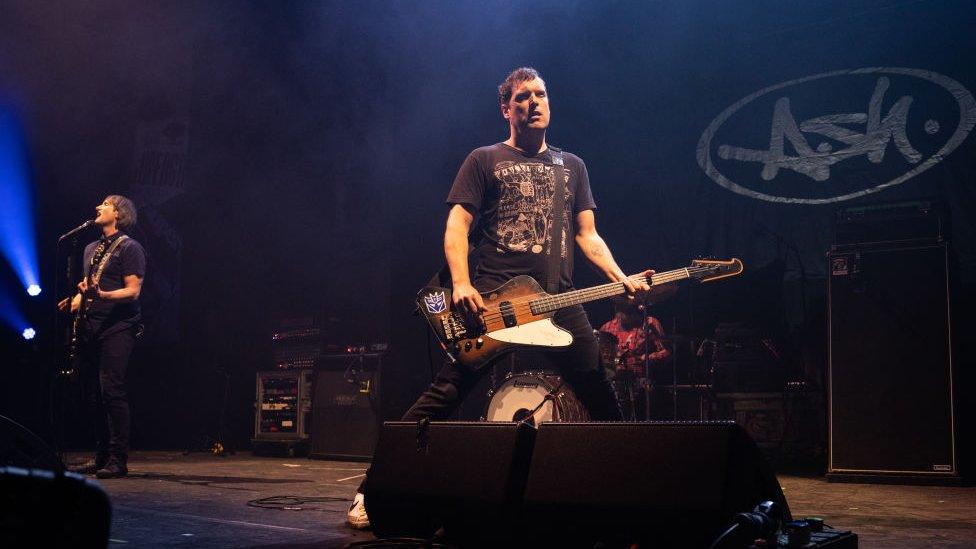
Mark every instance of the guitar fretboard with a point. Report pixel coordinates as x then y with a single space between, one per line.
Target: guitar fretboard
576 297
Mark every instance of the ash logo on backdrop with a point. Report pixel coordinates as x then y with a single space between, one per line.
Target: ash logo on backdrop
819 143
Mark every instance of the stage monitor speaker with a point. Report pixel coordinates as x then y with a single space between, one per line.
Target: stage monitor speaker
676 484
890 370
465 476
345 414
20 447
40 508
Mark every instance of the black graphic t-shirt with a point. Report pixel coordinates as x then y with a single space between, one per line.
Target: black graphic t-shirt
106 317
512 193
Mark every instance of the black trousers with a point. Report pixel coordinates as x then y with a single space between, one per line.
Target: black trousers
579 365
106 360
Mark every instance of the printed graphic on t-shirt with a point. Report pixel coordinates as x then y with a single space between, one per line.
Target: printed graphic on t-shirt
524 204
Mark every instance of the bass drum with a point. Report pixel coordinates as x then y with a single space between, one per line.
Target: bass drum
521 394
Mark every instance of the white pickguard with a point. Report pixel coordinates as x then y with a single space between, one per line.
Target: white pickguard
541 332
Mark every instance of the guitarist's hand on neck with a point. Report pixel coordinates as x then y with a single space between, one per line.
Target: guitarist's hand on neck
596 251
637 288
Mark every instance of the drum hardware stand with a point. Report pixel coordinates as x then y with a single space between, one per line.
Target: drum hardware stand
550 397
674 370
647 366
204 443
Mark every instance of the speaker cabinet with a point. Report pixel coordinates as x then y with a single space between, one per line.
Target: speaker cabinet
50 508
345 413
675 484
566 484
465 476
20 447
890 367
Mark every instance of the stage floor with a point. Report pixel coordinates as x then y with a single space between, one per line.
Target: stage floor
201 500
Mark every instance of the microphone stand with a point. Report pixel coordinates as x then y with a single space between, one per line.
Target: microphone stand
61 368
647 365
674 369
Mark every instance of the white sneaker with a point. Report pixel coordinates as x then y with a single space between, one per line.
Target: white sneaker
356 517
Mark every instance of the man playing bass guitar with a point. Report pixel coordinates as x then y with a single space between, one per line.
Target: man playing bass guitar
511 186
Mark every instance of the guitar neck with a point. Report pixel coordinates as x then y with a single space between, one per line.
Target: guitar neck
577 297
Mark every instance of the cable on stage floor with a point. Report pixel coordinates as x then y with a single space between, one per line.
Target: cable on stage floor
294 503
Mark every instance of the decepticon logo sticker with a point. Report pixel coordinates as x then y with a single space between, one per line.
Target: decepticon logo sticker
436 302
801 173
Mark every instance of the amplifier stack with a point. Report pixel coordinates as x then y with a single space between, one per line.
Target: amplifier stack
320 398
891 403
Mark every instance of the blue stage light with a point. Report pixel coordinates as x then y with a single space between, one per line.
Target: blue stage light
17 241
10 313
33 290
29 333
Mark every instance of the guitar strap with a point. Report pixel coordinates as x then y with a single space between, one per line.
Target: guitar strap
104 260
553 274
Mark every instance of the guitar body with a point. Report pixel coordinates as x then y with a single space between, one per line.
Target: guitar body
71 368
508 323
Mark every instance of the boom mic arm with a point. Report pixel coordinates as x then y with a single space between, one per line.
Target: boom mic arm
76 230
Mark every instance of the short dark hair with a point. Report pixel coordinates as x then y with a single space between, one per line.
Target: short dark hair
126 208
519 75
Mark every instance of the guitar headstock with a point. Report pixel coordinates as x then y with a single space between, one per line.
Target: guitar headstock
707 270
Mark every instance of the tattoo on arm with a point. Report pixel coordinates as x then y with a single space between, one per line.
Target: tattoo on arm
596 251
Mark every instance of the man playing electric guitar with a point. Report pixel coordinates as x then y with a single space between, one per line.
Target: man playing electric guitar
512 186
114 268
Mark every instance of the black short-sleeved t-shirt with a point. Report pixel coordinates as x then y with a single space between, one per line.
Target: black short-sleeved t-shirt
129 258
512 193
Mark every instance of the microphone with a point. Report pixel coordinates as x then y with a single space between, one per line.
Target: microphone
76 230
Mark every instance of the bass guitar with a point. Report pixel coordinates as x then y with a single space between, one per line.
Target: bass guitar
520 312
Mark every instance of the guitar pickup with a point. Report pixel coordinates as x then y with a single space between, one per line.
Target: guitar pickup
508 313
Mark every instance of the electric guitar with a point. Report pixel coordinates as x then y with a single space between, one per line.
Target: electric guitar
70 369
520 312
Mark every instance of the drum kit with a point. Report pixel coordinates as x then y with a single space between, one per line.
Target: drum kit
535 396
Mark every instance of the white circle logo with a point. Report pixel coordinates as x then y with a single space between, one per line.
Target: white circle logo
844 136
